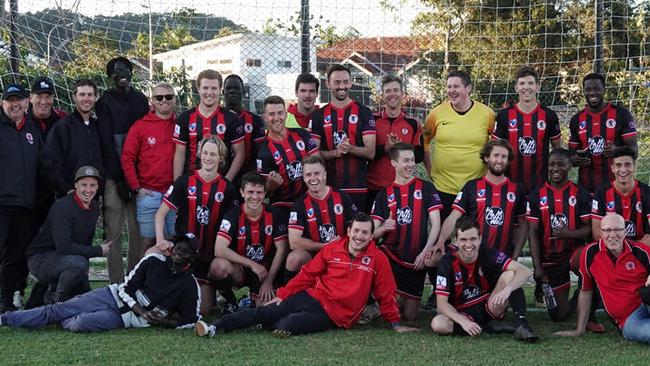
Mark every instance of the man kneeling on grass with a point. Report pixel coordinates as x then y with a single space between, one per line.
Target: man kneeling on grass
330 291
474 286
159 291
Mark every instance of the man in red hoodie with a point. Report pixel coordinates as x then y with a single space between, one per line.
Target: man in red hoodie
330 291
147 163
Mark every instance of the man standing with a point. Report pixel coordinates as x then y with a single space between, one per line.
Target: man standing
393 126
495 202
280 155
147 163
307 92
596 131
345 131
530 128
559 224
58 255
117 110
460 127
75 142
208 118
251 243
233 94
625 196
330 291
474 286
318 217
19 152
402 213
621 271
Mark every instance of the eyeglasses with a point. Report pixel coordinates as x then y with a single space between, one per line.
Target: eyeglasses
617 230
167 97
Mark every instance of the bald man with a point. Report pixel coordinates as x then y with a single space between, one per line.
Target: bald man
620 268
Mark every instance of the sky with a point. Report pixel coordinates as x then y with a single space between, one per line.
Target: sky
367 16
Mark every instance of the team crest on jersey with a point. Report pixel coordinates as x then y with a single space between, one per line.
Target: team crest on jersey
459 196
594 206
639 207
221 129
218 196
225 226
417 194
572 201
543 201
630 229
494 216
630 266
327 119
511 197
276 155
293 217
177 131
242 230
29 138
300 145
326 232
203 215
610 123
405 131
632 125
365 260
248 127
310 212
458 276
371 122
404 215
339 137
255 252
559 221
353 118
193 127
596 145
258 164
610 206
480 271
541 124
512 123
151 140
294 170
582 125
480 193
527 146
169 191
441 283
470 293
502 257
338 209
191 190
391 197
268 229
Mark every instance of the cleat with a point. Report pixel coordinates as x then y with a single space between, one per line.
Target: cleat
281 333
203 329
499 327
369 313
525 334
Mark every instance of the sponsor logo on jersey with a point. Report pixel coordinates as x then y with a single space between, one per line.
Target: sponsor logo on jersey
177 131
480 193
293 217
470 293
441 283
596 145
404 216
494 216
169 191
255 252
501 257
310 212
339 137
294 170
512 123
582 125
203 215
639 207
543 201
242 230
610 205
191 190
630 229
258 164
527 146
192 127
559 221
225 226
327 232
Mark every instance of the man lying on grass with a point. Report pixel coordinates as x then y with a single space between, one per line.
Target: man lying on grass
330 291
159 291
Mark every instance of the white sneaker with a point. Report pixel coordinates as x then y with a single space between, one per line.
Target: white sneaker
18 300
203 329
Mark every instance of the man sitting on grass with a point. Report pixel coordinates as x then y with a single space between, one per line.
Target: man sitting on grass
159 291
330 291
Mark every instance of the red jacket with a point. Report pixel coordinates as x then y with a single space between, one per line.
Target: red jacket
148 153
342 285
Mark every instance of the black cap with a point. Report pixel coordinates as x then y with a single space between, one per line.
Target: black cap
43 84
87 171
189 238
645 294
12 90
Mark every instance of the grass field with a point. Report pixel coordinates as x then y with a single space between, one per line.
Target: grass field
373 344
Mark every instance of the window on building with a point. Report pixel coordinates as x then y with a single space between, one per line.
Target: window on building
253 62
284 64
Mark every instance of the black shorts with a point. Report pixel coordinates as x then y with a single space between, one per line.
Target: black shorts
479 314
410 283
558 277
253 282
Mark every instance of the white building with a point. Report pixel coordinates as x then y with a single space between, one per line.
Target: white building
255 57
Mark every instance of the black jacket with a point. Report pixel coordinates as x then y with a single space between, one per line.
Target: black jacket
19 159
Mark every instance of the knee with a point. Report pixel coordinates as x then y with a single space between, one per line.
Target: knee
505 278
296 259
220 268
440 324
74 324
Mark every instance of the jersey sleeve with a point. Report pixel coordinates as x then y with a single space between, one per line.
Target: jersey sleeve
432 198
533 213
553 125
348 206
574 140
494 261
584 204
316 125
264 164
228 227
259 130
368 126
501 125
445 277
598 204
429 129
279 225
189 306
181 129
309 141
585 281
463 201
176 193
645 205
297 219
380 210
626 122
231 197
234 128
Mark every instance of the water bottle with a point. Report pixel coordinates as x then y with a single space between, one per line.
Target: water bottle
549 298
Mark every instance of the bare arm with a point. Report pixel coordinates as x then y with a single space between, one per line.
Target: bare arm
519 237
221 250
595 229
237 161
446 309
179 160
535 249
367 151
296 241
278 259
584 304
447 228
159 222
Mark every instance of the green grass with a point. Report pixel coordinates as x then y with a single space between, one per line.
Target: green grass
373 344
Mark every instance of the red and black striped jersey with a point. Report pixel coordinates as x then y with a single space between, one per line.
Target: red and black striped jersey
410 205
285 157
331 126
529 135
593 131
253 239
633 206
322 220
466 285
380 172
200 206
254 132
191 127
496 208
566 207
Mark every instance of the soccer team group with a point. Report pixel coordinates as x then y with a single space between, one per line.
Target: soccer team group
317 210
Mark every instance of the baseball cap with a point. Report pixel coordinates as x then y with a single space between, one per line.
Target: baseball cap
43 84
86 171
189 237
14 90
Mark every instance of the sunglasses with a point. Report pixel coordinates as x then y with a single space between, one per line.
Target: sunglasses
167 97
